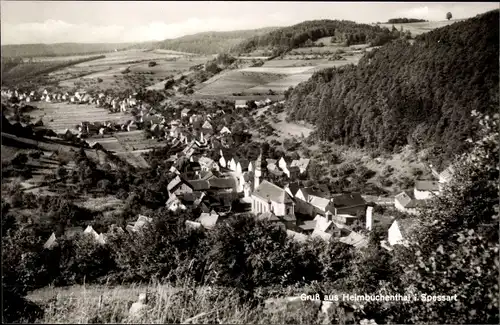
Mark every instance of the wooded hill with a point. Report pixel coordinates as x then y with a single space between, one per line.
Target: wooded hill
420 94
287 38
207 42
60 49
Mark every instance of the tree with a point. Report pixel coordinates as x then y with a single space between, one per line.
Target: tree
456 247
448 16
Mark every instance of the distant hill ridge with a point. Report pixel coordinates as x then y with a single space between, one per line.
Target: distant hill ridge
421 94
60 49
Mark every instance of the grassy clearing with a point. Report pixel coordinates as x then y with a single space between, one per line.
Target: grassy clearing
167 304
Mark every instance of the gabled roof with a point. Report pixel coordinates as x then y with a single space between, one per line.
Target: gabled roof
222 183
177 181
322 223
354 239
290 218
206 125
447 174
432 186
407 200
206 161
269 191
225 130
192 224
308 225
141 221
244 163
348 200
50 242
268 216
313 191
185 111
293 187
199 184
319 202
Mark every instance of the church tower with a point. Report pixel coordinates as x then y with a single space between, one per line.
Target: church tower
257 172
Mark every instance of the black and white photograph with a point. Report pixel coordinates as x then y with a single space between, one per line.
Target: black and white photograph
244 162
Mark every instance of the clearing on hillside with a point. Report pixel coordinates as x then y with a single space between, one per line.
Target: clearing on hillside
238 81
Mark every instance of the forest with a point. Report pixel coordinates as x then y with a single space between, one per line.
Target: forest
208 42
405 20
399 94
287 38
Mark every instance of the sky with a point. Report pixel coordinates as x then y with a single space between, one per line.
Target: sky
27 22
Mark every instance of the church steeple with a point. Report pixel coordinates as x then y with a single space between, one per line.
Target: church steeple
257 172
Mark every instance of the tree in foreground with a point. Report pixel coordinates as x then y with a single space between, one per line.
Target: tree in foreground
457 246
448 16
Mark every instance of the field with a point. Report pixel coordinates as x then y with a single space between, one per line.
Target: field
62 116
235 81
107 73
420 28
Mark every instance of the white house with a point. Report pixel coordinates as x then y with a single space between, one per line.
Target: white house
207 164
240 103
225 130
302 164
208 220
233 163
426 189
271 198
400 230
406 202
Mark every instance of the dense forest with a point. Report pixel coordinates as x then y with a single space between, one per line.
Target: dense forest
287 38
405 20
420 94
207 42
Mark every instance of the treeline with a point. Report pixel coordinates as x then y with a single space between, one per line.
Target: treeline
208 42
25 70
405 20
60 49
287 38
400 94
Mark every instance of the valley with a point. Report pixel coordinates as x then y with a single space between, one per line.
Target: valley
222 176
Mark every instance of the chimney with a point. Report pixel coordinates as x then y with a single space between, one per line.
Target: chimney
369 218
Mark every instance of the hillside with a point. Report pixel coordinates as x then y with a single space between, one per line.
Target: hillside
421 94
60 49
305 33
207 42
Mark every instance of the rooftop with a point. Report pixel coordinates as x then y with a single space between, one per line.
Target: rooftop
432 186
269 191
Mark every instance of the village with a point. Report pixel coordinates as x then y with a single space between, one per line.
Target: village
303 212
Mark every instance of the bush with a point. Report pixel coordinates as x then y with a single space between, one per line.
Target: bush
151 64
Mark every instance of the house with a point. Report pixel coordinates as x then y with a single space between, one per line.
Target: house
302 164
233 163
400 231
284 163
208 220
98 237
141 222
175 204
349 203
185 112
406 202
425 189
225 131
240 103
207 127
207 164
179 186
242 166
224 158
272 198
51 242
311 201
445 176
